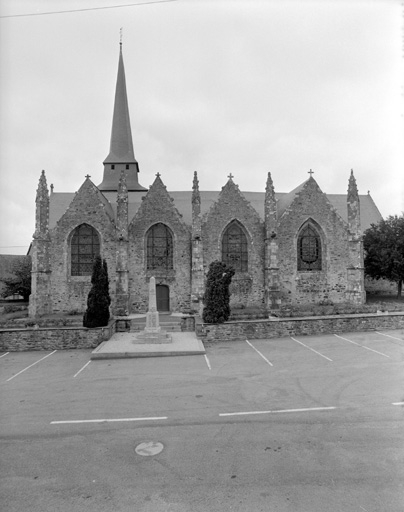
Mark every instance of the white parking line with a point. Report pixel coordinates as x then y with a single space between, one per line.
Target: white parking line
388 335
207 361
397 403
30 366
258 352
363 346
82 369
309 409
312 349
4 354
66 422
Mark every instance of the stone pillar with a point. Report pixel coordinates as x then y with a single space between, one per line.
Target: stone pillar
152 332
197 275
40 301
122 249
271 277
355 292
152 316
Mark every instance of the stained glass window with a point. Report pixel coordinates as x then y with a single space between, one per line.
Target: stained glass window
85 246
234 248
159 247
308 249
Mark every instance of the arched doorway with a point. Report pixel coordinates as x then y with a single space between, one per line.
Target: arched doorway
162 297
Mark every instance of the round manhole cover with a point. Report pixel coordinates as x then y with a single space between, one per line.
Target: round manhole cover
149 448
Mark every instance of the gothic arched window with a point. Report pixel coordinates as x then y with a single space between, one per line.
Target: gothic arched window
234 247
85 246
308 249
159 247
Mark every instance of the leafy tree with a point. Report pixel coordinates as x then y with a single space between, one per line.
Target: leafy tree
384 250
20 282
217 296
97 313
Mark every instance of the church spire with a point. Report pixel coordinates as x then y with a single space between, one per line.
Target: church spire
121 155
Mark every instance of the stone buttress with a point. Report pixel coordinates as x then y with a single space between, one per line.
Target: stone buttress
122 248
272 296
355 292
197 275
40 301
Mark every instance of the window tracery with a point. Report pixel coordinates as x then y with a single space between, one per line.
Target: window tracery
309 249
235 248
84 247
159 247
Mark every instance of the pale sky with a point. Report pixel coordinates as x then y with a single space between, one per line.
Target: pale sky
214 86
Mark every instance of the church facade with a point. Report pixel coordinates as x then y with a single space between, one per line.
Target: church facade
301 247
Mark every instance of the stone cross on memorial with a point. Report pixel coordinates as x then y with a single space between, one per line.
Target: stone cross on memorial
152 316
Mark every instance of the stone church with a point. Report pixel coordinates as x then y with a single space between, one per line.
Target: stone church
301 247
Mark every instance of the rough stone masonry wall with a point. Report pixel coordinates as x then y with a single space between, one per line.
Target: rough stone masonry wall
157 207
69 293
266 329
247 288
16 340
329 284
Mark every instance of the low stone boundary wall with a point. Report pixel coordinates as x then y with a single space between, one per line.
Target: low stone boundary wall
51 338
279 327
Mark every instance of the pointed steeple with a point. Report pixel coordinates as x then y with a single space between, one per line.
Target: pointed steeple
352 188
121 155
196 196
354 221
42 208
270 204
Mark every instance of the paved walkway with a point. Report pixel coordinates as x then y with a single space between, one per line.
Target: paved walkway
122 345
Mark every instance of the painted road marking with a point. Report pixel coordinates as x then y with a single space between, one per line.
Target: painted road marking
111 420
388 335
82 369
4 354
310 409
148 449
363 346
397 403
30 366
207 361
258 352
312 349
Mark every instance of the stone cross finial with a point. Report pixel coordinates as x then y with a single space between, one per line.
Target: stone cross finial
230 176
310 172
158 175
87 176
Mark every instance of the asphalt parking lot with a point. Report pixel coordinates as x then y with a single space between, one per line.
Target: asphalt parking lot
300 423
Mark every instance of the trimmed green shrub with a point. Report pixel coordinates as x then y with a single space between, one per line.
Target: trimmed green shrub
217 295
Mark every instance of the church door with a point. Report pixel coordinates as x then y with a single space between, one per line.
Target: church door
162 297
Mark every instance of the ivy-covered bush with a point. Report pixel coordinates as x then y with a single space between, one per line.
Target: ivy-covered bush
217 296
98 301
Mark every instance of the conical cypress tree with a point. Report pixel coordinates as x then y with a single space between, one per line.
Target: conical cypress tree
217 296
97 313
105 267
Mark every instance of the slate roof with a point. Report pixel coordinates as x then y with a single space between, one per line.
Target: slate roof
59 202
